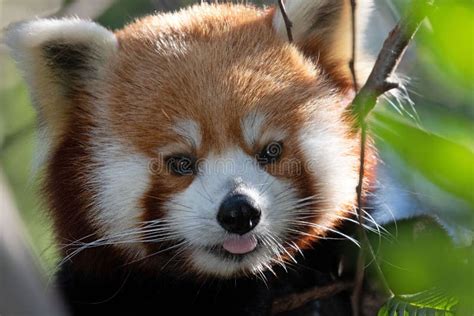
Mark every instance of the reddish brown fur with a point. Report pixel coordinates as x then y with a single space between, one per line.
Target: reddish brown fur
212 64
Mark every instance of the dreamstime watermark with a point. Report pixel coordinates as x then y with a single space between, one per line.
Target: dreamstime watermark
190 166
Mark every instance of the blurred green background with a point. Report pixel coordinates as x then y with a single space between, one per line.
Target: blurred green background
426 141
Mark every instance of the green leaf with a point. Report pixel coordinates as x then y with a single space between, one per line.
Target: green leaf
449 43
444 162
431 302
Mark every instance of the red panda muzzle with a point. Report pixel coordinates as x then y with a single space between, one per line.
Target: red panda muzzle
238 214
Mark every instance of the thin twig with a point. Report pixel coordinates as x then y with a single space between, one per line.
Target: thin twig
296 300
353 56
379 80
360 265
378 83
286 19
365 244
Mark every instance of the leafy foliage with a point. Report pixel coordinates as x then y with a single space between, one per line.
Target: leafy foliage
436 165
447 45
444 162
431 302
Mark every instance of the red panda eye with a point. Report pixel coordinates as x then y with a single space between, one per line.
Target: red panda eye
181 165
270 153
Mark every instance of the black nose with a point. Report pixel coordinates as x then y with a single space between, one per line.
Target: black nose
238 214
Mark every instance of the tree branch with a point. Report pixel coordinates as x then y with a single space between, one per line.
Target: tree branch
296 300
392 51
286 19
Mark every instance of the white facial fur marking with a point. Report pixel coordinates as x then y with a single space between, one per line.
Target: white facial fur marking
251 127
120 179
195 218
254 131
332 161
190 131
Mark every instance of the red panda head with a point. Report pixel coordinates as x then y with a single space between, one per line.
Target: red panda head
199 140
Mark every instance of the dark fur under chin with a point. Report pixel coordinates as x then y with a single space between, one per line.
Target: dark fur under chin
132 292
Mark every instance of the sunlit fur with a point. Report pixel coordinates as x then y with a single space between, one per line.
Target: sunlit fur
214 82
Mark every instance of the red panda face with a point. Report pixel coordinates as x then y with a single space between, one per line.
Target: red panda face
202 142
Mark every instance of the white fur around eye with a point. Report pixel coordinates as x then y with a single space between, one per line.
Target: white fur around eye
190 131
252 125
256 132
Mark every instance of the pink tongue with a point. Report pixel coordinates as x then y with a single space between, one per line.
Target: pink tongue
240 244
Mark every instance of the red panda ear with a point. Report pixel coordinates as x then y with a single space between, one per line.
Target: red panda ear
60 59
322 31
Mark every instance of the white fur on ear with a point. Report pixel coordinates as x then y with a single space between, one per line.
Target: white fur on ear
24 35
59 58
302 14
26 39
322 30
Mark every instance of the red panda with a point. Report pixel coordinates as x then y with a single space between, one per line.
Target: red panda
190 146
